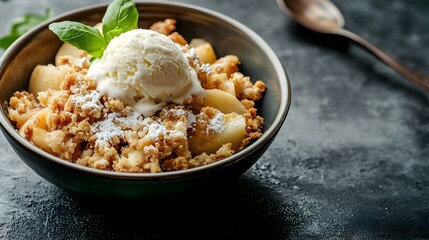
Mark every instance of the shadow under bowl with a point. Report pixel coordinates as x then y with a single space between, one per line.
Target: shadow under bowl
228 36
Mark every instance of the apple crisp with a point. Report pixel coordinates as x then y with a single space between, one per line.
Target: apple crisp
63 114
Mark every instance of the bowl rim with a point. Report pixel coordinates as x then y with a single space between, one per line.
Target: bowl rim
284 83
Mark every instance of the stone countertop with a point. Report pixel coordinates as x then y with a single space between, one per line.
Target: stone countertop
351 160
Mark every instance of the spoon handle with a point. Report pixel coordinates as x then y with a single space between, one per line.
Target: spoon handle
418 81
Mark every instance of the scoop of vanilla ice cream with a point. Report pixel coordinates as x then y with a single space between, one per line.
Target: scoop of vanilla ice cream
147 69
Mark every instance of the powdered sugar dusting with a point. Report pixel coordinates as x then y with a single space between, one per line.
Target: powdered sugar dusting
113 126
216 124
88 101
134 118
81 62
192 120
177 112
157 130
107 129
207 68
193 57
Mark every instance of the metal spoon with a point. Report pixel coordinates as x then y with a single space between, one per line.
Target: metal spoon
324 17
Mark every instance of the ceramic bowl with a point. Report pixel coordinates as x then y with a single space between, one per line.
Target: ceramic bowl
228 36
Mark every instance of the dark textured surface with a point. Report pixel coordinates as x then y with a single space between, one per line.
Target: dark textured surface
351 160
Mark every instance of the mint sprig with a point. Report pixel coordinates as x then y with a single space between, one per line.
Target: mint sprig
81 36
22 25
121 16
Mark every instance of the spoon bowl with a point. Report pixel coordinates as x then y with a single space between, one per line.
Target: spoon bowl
324 17
317 15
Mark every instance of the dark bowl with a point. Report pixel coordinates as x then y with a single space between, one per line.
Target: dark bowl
228 36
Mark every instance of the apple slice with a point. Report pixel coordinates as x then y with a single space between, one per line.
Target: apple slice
204 50
44 77
223 101
68 50
230 128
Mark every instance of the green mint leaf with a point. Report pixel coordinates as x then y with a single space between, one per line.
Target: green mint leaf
22 25
81 36
114 33
121 16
